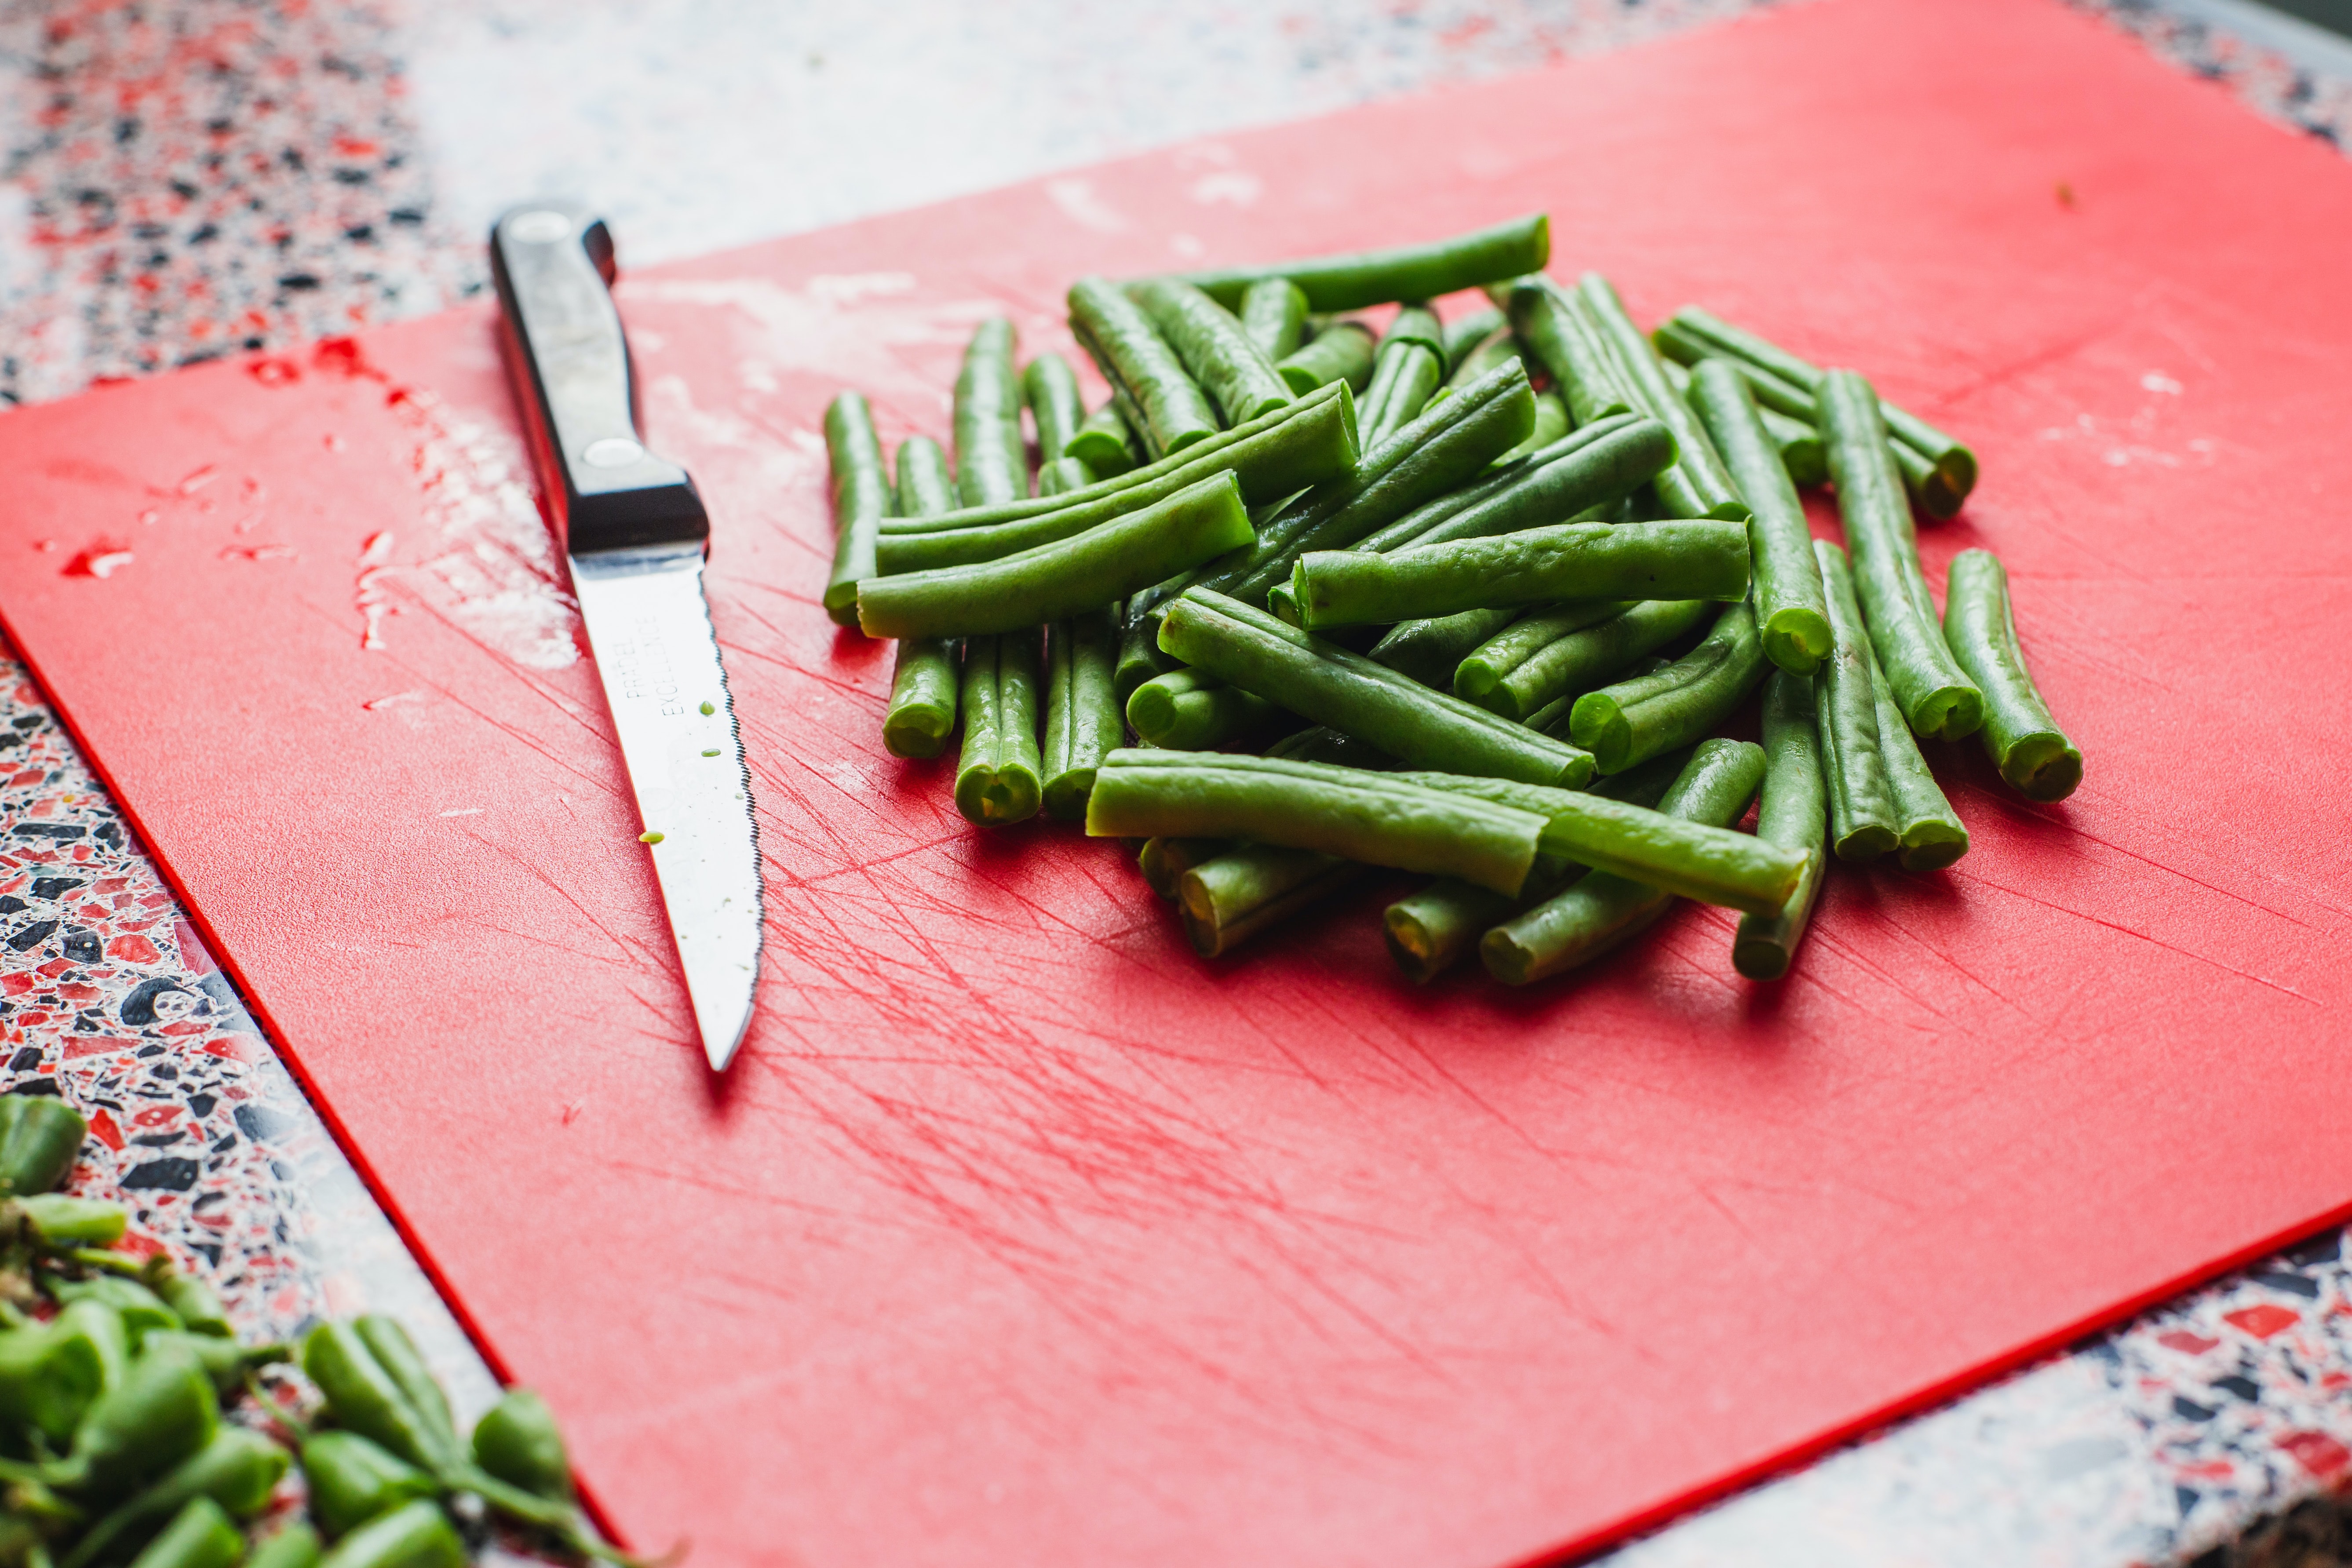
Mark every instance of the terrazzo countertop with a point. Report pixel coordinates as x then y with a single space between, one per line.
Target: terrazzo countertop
191 179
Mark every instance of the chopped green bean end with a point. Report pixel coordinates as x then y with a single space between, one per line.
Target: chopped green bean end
708 710
649 838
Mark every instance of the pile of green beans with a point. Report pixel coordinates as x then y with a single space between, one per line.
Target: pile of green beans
134 1427
1472 591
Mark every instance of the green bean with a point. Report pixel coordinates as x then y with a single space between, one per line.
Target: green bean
1325 684
1479 675
922 711
1322 743
1274 314
1192 710
1954 466
1794 813
1344 351
1427 932
1677 345
1427 457
997 777
1054 581
1593 467
1130 414
1794 618
861 499
1551 423
1845 721
291 1545
1115 329
1543 687
1345 812
1555 331
1350 282
1427 650
1104 443
1226 901
1700 470
1937 700
1220 356
1497 347
1467 334
1635 720
1604 909
1164 861
1402 380
992 462
1140 658
1081 716
1061 476
2020 736
1055 407
1704 559
1311 441
1929 832
1803 457
1417 323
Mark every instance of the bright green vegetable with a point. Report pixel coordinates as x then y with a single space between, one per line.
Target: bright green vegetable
1845 698
1789 609
59 1221
1563 481
1403 377
98 1326
992 460
1343 812
1051 389
1082 713
1467 334
1484 675
197 1304
1551 423
1164 861
1697 485
49 1376
1104 443
923 681
1326 684
352 1480
1192 710
1214 348
1794 812
1229 899
163 1411
1061 476
40 1136
1137 360
1342 351
1694 560
294 1545
223 1361
519 1441
2020 736
141 1311
1353 281
861 499
201 1535
1068 577
415 1535
1781 395
997 778
376 1386
1426 651
1140 658
1604 909
1928 831
1935 697
1636 720
1274 313
1555 330
1478 358
1304 444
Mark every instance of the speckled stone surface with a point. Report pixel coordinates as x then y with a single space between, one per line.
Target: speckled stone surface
195 177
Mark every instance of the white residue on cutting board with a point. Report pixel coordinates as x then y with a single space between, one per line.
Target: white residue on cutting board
846 324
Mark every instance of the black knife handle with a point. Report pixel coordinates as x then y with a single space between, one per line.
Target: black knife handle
570 361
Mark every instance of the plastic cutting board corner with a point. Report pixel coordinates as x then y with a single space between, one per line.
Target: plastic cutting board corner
1019 1235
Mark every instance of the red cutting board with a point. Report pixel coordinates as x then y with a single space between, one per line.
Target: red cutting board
1018 1235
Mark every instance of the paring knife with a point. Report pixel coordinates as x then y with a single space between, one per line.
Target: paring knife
635 528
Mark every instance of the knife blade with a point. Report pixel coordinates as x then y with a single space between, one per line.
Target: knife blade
636 535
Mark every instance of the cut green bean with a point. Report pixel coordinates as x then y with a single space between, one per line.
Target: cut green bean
1192 711
1311 441
1780 395
1704 559
1417 323
1355 816
1427 457
1428 931
1577 473
1215 350
1712 492
1164 861
1082 713
925 485
1928 833
1069 577
861 499
1954 464
1137 359
1140 658
1845 723
1061 476
1794 813
1353 281
1325 684
1402 380
1577 661
1803 457
1051 388
1636 720
1936 696
1551 423
2020 736
1274 314
1604 909
1486 666
1104 443
1555 331
1552 717
1789 610
922 712
1227 900
1344 351
992 460
1426 651
1466 334
997 777
1497 347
